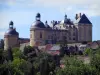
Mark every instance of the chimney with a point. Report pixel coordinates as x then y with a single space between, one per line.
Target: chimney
80 15
76 17
53 23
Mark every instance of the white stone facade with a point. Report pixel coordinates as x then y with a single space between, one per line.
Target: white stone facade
78 31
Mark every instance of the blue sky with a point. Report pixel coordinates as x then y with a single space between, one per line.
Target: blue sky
22 13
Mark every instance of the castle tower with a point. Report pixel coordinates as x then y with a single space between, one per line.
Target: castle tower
37 31
10 37
84 28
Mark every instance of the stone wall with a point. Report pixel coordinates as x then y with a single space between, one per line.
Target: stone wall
10 41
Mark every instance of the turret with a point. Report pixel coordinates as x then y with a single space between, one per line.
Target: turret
65 16
38 17
11 24
36 31
11 37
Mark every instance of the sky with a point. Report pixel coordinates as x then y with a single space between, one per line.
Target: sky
23 12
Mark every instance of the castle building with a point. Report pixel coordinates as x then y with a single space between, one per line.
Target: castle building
76 31
11 37
69 31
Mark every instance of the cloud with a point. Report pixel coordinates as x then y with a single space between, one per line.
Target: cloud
90 7
86 6
4 20
66 2
1 34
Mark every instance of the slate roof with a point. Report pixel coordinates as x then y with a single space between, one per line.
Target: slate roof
11 32
67 21
83 20
38 24
46 25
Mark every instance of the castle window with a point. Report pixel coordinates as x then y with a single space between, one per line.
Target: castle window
30 35
90 32
40 35
48 37
64 25
73 38
73 33
51 37
60 27
69 33
58 38
69 38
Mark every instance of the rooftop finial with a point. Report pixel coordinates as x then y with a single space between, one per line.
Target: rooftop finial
38 16
11 24
65 16
46 22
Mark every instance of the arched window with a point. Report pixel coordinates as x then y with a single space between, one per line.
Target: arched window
40 35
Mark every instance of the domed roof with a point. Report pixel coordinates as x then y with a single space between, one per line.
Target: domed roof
38 24
11 32
48 26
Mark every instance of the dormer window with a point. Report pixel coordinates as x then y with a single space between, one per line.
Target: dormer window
60 27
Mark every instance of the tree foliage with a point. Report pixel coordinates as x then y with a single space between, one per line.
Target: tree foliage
73 66
29 63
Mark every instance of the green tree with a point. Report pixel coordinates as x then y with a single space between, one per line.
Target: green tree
44 62
44 67
74 66
21 66
95 61
88 51
17 53
62 52
1 56
10 54
30 53
2 43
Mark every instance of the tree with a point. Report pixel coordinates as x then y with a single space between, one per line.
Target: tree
29 53
95 61
62 52
21 66
10 54
2 43
44 67
74 66
1 56
44 62
88 51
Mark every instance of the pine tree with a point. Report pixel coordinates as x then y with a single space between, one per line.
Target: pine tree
44 67
10 54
